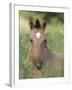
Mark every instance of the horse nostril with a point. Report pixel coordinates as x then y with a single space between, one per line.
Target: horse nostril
38 66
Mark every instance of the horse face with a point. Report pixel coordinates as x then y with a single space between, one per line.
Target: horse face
38 41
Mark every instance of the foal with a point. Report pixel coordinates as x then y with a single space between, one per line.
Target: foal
39 53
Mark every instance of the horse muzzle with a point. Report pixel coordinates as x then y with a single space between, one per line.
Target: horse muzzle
38 64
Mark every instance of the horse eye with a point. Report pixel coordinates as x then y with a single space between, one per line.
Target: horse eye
45 41
31 40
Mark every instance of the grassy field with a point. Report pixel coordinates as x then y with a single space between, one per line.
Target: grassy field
55 41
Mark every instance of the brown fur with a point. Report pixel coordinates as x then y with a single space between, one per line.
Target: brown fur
39 54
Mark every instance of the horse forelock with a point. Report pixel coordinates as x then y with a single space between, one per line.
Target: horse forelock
37 24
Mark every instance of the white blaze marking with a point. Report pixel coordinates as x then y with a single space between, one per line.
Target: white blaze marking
38 34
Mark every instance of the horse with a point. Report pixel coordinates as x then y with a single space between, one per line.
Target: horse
41 58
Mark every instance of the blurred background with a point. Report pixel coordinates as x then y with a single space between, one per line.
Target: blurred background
55 38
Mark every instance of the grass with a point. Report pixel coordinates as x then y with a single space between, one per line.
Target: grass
55 41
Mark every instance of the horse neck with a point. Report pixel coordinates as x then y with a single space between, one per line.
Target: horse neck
51 56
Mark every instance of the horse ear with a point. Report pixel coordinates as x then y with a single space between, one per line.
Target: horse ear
31 23
44 24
